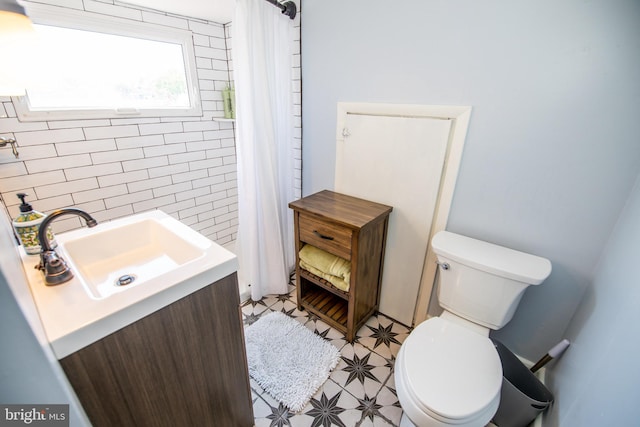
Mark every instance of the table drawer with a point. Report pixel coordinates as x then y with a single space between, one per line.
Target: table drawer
328 236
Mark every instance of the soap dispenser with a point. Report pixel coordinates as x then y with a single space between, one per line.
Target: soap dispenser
26 225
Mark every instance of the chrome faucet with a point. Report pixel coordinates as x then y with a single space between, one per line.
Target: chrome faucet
55 268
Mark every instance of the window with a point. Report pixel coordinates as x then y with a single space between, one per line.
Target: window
103 67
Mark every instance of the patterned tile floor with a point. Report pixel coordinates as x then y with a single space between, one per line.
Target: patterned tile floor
359 392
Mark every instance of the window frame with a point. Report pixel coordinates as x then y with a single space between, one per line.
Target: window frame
88 21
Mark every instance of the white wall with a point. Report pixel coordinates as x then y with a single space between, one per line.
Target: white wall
552 149
596 380
111 168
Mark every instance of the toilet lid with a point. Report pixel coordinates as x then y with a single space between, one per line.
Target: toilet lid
451 371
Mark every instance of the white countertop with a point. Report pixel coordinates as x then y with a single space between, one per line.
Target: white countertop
73 320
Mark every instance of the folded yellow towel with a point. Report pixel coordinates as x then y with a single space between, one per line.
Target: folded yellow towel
333 269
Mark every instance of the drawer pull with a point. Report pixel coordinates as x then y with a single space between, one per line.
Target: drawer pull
322 236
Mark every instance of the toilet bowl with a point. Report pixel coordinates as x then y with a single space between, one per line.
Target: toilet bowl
448 372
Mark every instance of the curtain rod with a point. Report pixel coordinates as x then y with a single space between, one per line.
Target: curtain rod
288 7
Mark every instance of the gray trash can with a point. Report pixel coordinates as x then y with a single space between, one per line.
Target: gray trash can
523 396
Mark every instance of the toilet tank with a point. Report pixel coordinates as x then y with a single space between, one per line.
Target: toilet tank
483 282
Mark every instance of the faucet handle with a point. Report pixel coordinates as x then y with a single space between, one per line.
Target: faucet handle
56 270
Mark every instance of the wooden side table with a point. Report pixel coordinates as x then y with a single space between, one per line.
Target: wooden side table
353 229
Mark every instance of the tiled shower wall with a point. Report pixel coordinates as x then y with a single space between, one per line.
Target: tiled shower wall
111 168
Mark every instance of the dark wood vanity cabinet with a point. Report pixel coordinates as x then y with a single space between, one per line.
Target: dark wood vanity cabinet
184 365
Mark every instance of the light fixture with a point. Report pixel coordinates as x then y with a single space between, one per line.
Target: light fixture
12 6
16 40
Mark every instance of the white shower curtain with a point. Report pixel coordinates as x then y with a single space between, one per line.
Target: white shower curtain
261 40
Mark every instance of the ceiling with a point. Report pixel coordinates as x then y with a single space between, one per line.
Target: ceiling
220 11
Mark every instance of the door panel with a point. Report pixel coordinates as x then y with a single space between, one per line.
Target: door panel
396 161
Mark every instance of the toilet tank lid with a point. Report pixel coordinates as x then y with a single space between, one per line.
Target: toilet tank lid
494 259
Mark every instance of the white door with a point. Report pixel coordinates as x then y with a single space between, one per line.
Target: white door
397 161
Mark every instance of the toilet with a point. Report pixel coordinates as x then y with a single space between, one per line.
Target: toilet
448 372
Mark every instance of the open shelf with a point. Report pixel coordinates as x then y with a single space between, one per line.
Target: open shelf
326 285
329 307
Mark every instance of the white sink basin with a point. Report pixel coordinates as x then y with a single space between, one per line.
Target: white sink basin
110 259
168 259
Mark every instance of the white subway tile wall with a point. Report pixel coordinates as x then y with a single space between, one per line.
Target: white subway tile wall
111 168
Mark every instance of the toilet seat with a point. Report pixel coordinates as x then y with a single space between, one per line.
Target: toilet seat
449 372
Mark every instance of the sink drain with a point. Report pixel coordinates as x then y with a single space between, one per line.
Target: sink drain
125 280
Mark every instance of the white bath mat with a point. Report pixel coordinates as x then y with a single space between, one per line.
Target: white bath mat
288 360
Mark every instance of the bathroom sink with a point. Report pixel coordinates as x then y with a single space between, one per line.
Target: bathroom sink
120 255
157 259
